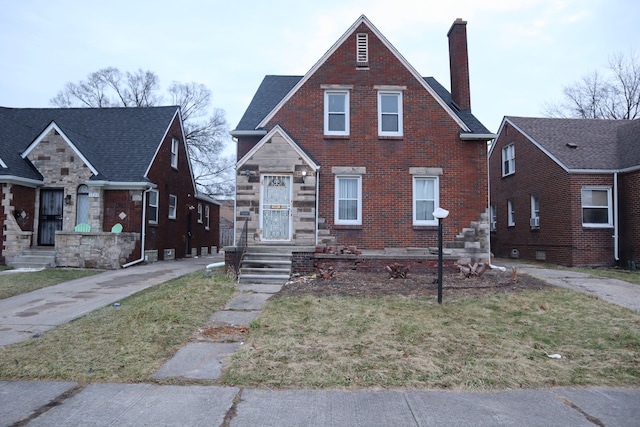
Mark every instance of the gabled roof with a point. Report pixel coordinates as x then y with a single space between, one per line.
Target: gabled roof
583 145
275 91
118 143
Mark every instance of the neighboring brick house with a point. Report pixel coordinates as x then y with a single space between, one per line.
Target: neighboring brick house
361 150
566 191
91 170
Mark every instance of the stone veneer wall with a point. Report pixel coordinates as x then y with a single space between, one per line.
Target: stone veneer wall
15 239
94 250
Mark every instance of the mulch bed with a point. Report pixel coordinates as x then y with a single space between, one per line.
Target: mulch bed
367 284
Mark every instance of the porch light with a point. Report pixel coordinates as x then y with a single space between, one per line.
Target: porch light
440 214
67 199
304 175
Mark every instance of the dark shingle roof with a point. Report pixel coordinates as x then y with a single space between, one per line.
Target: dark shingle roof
274 88
579 144
119 142
629 144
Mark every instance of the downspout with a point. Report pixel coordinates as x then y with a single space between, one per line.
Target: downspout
616 254
144 230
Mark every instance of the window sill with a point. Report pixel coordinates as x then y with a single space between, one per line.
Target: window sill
597 226
347 226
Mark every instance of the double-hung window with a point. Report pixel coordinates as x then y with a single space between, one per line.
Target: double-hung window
200 212
494 217
389 113
511 214
534 221
596 207
348 203
153 206
336 112
425 200
174 152
508 160
173 203
206 217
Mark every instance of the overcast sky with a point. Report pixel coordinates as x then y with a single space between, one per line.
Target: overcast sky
521 52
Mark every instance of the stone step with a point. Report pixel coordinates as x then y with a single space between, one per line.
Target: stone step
265 270
263 278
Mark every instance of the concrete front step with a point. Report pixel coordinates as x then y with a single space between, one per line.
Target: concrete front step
263 278
35 258
266 270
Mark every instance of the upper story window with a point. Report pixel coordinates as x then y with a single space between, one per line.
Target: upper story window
174 152
596 207
173 203
534 221
511 214
153 206
348 203
508 160
200 212
336 112
362 49
425 200
390 113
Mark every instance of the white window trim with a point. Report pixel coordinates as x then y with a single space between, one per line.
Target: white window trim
174 152
206 217
200 213
154 221
400 127
511 214
493 217
509 155
173 209
436 201
358 220
535 211
346 112
609 224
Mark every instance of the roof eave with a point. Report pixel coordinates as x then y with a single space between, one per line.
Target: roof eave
478 136
122 185
257 132
27 182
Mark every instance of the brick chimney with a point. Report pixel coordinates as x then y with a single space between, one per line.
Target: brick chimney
459 64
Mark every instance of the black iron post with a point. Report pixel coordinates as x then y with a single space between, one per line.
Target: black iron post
439 260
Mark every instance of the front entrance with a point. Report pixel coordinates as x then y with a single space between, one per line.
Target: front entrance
275 218
50 220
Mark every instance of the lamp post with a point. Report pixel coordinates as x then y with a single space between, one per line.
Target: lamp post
440 214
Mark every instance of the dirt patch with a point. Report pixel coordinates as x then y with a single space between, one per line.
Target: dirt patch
366 284
220 332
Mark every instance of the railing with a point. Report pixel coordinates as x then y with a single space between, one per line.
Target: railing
241 247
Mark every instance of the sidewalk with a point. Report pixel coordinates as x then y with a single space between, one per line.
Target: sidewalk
50 403
25 315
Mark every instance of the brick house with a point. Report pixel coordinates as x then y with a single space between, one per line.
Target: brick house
102 187
566 191
361 150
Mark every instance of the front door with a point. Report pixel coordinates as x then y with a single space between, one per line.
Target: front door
51 204
276 208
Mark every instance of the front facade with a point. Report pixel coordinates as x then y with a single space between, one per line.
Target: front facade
566 191
361 150
103 187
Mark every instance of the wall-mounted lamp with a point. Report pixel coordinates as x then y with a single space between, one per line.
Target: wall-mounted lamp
304 175
246 172
67 199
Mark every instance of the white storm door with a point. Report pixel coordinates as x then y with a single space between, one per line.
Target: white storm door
276 207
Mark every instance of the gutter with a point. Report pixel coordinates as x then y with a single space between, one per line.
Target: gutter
144 230
616 250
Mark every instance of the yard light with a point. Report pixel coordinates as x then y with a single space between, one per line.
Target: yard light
440 214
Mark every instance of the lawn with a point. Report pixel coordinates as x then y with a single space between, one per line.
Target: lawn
125 343
12 284
495 341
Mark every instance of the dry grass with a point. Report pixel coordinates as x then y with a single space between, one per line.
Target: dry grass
487 342
125 343
12 284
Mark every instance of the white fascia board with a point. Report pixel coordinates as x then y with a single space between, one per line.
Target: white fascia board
27 182
121 185
592 171
477 136
277 129
43 134
502 124
2 164
207 199
393 50
164 135
237 133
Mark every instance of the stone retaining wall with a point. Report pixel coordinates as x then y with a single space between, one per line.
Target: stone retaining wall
94 250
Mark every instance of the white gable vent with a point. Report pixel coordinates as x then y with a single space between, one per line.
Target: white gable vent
362 49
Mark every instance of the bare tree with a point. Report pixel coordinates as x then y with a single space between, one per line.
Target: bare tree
206 129
614 94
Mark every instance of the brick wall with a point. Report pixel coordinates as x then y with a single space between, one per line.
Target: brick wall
629 204
17 208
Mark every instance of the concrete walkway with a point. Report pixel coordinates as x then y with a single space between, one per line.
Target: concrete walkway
41 403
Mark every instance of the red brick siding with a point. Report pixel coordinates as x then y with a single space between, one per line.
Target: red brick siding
561 234
117 201
172 233
431 139
629 205
24 200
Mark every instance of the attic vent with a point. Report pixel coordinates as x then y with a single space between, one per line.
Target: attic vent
572 145
362 49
